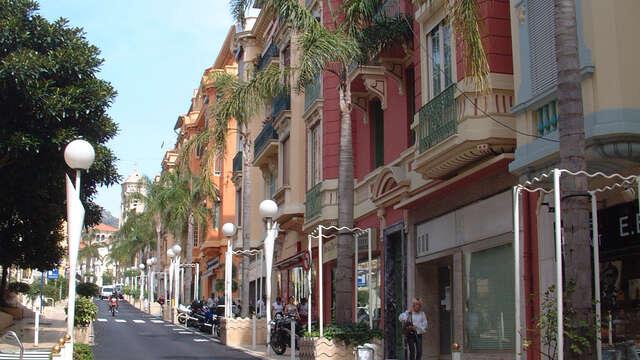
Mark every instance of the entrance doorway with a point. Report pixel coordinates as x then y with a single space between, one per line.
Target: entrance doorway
444 309
395 285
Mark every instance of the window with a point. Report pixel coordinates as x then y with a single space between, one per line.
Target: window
315 154
439 55
547 118
198 149
544 73
411 103
272 185
196 235
490 297
217 166
215 220
239 207
377 128
285 162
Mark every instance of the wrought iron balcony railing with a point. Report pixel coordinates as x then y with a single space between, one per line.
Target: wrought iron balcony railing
266 134
272 52
312 91
280 103
237 162
437 119
313 202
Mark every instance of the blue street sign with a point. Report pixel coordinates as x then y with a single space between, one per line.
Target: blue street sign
52 274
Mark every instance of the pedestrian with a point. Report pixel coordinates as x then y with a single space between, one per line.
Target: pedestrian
260 306
303 310
414 324
291 309
277 306
210 302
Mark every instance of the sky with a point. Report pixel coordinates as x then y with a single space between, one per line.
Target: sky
155 52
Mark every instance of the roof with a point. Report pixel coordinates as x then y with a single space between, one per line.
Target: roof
133 178
104 227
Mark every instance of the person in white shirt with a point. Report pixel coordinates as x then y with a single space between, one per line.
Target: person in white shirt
277 306
260 306
414 324
210 302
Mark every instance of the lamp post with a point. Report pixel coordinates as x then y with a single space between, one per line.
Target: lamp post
150 262
174 276
268 210
228 230
78 155
141 284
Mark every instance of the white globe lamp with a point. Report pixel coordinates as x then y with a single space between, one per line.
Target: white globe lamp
79 154
141 266
170 253
268 209
229 229
177 249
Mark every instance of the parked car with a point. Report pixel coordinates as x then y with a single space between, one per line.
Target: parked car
106 291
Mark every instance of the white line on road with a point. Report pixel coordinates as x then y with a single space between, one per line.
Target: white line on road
185 332
121 321
177 329
200 340
157 321
102 320
138 321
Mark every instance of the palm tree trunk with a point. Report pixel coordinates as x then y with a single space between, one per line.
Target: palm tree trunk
247 158
188 279
575 206
344 269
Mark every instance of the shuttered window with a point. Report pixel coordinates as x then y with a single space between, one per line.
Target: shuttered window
542 45
490 309
377 120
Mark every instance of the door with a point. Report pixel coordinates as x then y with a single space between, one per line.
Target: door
444 309
394 290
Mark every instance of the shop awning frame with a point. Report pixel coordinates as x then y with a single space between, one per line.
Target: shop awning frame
548 183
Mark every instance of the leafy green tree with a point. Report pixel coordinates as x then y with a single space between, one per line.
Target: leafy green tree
49 95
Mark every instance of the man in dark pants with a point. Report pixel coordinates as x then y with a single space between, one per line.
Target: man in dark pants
414 325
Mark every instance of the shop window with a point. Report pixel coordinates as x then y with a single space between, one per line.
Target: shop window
489 309
368 307
377 128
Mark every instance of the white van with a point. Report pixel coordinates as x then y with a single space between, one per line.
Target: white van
106 291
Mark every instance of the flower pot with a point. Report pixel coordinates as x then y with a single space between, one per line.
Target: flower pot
322 348
240 331
83 334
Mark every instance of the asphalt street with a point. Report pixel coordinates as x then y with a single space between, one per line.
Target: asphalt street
132 334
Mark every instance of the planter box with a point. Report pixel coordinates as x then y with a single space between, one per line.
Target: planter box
16 312
321 348
240 331
6 320
84 334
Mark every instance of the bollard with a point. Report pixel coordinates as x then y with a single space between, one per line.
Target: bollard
253 334
37 328
293 339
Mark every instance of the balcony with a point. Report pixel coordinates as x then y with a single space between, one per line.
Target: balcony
279 104
271 53
290 209
313 202
264 138
237 162
312 92
453 137
437 119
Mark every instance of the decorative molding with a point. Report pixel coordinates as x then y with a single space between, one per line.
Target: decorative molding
377 86
395 70
360 101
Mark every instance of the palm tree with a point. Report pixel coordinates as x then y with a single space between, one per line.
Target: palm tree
91 251
575 209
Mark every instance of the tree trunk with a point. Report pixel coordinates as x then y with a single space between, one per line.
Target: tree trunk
3 282
247 158
189 294
575 205
345 261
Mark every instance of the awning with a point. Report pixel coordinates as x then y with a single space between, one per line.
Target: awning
290 261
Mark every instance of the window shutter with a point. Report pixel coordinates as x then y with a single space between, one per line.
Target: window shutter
542 45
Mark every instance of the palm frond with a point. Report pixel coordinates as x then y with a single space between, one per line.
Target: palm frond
383 32
358 14
239 9
465 16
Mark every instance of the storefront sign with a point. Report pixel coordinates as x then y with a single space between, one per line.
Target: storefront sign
619 227
213 264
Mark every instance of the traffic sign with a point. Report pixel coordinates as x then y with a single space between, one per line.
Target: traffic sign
53 274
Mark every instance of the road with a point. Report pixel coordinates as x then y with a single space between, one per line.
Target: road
132 334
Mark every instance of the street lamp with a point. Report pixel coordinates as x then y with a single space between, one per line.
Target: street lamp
228 230
150 262
174 254
268 210
78 155
141 284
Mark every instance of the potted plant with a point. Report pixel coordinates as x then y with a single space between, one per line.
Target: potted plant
85 315
339 342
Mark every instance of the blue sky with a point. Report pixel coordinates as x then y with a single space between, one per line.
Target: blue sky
155 53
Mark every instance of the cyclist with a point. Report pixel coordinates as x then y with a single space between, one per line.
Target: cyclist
113 301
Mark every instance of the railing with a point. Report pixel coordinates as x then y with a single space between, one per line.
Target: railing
272 52
267 134
437 119
280 103
547 116
312 91
237 162
313 202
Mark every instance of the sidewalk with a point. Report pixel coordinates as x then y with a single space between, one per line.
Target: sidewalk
261 352
53 325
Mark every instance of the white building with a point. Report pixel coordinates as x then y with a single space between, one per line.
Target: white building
132 184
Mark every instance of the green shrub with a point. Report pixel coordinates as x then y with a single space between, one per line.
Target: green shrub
355 334
135 293
86 311
107 278
19 287
127 290
87 289
82 352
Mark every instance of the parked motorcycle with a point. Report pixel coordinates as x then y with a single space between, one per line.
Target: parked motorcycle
211 323
185 316
281 333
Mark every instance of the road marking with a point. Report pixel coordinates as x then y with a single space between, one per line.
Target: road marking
169 325
185 332
102 320
121 321
157 321
200 340
177 329
138 321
